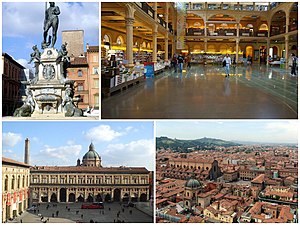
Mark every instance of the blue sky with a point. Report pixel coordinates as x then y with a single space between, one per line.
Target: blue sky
62 143
22 25
254 130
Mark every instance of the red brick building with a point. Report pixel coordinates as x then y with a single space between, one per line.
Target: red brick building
92 55
78 71
12 75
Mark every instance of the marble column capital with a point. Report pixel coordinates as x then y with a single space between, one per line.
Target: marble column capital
129 21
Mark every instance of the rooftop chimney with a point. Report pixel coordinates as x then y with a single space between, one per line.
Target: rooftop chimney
26 158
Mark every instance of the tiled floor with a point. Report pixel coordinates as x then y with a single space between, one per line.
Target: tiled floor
203 92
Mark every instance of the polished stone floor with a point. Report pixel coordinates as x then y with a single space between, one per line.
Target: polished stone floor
203 92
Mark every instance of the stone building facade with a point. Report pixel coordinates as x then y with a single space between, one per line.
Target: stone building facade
184 168
92 55
89 182
15 188
74 40
12 74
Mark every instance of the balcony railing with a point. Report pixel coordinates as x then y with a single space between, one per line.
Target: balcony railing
228 6
225 32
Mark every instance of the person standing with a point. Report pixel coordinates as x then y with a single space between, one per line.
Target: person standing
227 63
180 59
174 63
294 65
188 61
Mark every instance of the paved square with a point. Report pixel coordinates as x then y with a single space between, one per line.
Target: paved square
72 212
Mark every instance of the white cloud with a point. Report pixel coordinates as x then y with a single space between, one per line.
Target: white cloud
21 18
284 131
128 129
102 133
35 139
70 142
7 151
136 153
11 139
24 63
61 154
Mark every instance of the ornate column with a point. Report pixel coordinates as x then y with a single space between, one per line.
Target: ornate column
155 11
287 22
167 15
236 50
205 29
39 193
148 193
154 43
67 194
205 45
129 21
49 196
139 194
238 29
58 195
286 51
85 195
166 48
173 47
268 50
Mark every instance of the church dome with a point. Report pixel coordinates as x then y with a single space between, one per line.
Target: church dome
193 183
91 154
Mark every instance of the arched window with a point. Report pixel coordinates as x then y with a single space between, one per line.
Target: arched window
79 72
120 40
106 39
13 183
263 27
6 183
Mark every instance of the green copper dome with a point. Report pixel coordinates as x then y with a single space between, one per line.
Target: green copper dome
193 183
91 154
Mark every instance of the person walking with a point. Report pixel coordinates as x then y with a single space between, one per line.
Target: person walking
174 63
180 59
294 65
188 61
227 63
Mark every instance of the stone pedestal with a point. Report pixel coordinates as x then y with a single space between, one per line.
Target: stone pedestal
48 88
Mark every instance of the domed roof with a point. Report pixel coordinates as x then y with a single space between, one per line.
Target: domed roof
193 183
91 154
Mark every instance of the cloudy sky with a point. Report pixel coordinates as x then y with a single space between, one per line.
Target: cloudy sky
255 130
62 143
22 25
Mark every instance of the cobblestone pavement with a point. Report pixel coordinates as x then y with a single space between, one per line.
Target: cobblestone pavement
72 212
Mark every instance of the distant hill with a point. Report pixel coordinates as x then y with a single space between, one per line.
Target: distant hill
190 145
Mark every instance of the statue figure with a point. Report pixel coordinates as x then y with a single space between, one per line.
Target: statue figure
68 101
63 60
28 106
51 21
36 57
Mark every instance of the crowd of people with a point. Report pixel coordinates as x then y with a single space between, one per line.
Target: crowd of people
179 61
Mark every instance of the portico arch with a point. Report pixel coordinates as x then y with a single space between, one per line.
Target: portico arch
90 198
62 195
72 197
99 198
44 197
143 197
117 195
125 197
80 198
107 198
53 198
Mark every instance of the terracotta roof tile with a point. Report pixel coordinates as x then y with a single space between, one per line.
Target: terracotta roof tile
93 49
72 169
11 161
79 61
